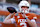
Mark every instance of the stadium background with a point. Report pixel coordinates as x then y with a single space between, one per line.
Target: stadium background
34 8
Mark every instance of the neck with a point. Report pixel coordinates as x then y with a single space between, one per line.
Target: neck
23 14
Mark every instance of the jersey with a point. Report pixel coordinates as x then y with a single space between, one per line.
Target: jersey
21 21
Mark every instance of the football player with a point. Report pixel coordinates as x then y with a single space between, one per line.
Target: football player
22 18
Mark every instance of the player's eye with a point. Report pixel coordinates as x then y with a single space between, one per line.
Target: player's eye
24 7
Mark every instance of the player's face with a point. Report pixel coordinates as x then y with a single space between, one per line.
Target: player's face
24 9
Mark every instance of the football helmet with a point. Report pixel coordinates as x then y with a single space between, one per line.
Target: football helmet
24 3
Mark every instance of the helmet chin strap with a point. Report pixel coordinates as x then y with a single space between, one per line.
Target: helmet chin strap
26 11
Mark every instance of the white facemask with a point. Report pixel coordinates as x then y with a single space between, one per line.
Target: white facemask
26 11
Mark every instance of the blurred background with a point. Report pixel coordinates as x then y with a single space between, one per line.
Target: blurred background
34 8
